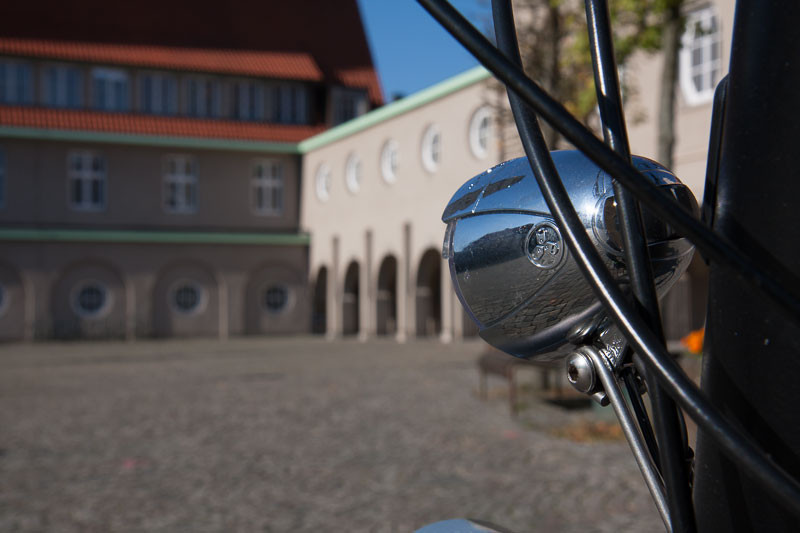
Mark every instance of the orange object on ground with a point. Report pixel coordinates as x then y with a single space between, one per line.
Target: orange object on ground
694 340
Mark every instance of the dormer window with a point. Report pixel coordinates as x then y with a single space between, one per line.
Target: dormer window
158 93
348 104
203 98
63 86
110 89
247 100
287 104
16 83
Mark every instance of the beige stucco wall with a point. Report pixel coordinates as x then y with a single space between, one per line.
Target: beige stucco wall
693 122
402 219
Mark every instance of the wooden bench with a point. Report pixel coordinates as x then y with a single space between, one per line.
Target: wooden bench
501 364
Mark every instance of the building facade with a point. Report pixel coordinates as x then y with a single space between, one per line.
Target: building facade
150 175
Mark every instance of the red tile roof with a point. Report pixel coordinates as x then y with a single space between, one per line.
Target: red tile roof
283 65
62 119
329 31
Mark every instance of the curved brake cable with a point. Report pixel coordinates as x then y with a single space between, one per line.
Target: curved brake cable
739 446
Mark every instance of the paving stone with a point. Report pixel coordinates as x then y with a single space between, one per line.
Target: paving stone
290 435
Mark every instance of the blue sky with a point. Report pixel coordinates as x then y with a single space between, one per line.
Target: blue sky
410 49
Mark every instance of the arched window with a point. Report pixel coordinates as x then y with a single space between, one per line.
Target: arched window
700 60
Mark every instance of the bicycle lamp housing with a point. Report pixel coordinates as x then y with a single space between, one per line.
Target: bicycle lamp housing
510 265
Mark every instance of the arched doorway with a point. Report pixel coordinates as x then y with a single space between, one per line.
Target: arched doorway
318 305
429 295
350 300
386 311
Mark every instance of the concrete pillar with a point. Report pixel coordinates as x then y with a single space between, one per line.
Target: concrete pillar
446 298
403 289
130 310
366 293
224 323
333 306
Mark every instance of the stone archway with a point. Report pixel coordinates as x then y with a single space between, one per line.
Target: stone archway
319 303
350 300
386 304
429 295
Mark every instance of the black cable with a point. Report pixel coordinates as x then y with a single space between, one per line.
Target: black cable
768 275
736 444
672 445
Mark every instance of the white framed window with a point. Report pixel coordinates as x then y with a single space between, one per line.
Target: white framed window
322 182
389 161
247 100
480 128
187 297
110 89
348 104
276 299
16 82
352 173
700 56
267 187
431 148
158 93
91 299
62 86
180 184
86 180
202 97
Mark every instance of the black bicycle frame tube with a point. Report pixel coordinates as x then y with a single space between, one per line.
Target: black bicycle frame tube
752 351
672 446
779 283
732 441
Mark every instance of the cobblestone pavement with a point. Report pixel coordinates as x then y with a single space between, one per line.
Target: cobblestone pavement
289 435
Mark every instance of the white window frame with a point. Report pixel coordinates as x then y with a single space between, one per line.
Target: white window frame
482 116
57 89
353 173
87 175
431 149
116 89
16 82
390 161
322 182
267 178
164 93
704 43
102 311
185 183
202 297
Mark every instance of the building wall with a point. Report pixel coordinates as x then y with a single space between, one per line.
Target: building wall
41 279
37 188
401 220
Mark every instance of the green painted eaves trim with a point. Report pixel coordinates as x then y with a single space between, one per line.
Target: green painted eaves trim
151 237
418 99
147 140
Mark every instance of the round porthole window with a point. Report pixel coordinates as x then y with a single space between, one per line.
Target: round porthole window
323 182
187 297
90 299
389 161
352 173
276 298
479 131
431 148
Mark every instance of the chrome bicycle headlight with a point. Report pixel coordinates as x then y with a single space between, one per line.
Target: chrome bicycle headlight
510 265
